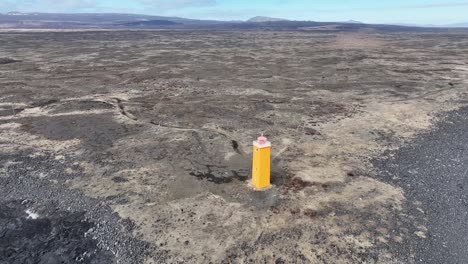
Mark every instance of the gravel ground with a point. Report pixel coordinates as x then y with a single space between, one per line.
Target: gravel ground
433 171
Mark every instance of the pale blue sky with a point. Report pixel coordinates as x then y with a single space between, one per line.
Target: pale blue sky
396 11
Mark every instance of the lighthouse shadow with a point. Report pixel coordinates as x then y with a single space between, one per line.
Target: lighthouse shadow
270 197
279 176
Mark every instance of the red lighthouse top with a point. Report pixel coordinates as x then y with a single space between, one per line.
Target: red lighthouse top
262 140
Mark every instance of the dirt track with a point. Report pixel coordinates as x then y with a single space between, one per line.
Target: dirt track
157 127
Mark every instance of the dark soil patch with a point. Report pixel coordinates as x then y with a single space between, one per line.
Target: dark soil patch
97 131
297 184
119 179
42 103
310 213
311 132
10 112
210 177
235 146
70 106
216 174
7 61
240 175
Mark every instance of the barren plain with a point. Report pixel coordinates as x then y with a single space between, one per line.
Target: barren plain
141 142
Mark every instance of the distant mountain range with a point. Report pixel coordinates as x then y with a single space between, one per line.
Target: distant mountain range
455 25
18 20
458 25
354 22
96 19
260 19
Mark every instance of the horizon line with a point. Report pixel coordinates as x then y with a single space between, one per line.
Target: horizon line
243 20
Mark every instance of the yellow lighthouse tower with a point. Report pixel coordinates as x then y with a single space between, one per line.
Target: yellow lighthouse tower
261 163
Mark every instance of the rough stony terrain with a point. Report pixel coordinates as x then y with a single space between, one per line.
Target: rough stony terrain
144 137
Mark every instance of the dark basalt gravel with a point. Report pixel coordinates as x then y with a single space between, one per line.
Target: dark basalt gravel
60 237
71 227
433 170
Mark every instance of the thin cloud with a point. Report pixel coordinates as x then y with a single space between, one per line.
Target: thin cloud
423 6
44 5
96 5
173 4
438 5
